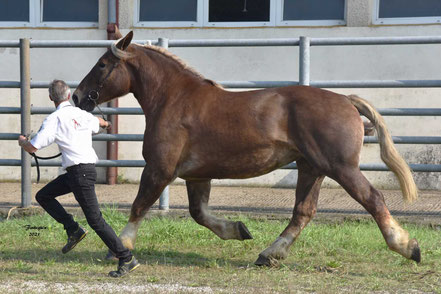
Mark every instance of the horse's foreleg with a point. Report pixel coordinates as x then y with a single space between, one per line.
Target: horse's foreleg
307 192
150 188
198 196
353 181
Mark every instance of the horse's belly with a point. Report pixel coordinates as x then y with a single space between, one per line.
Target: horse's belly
241 166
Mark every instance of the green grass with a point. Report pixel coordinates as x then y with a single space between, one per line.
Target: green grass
327 258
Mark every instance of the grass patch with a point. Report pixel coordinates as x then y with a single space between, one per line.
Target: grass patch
327 258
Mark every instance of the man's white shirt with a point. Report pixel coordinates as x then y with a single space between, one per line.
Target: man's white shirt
71 128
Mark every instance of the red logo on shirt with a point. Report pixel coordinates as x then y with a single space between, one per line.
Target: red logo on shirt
75 123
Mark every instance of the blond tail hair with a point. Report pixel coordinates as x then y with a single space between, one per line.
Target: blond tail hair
389 153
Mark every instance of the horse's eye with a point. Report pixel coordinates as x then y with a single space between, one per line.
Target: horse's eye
102 65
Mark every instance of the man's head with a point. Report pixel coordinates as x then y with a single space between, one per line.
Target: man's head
59 91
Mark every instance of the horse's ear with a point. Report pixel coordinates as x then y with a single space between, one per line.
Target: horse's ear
118 34
125 42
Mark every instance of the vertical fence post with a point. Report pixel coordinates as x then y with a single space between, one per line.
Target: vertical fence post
25 105
304 61
164 199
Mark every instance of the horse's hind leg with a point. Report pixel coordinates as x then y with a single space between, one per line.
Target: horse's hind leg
307 192
354 182
198 196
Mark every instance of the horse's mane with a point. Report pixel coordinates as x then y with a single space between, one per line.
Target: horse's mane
122 54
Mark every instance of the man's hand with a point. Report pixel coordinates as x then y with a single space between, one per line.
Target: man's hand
104 123
25 144
22 140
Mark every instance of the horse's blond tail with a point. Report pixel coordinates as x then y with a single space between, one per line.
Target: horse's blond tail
389 153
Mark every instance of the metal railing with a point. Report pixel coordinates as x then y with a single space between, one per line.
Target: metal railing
304 44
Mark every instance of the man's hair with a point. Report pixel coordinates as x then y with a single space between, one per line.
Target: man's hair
59 91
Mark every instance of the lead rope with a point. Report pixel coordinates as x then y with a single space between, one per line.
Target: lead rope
36 157
96 104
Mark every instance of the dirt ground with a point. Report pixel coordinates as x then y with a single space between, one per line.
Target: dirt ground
256 201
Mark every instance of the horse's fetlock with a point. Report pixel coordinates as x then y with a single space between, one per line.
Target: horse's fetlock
127 242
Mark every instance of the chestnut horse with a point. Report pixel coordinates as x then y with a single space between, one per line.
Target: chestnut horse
198 131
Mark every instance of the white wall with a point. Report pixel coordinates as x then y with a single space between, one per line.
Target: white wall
267 63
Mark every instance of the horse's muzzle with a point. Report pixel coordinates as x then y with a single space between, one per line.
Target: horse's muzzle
86 105
75 99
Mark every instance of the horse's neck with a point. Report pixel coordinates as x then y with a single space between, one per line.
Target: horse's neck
159 83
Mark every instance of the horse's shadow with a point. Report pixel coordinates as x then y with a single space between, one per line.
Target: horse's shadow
26 258
95 257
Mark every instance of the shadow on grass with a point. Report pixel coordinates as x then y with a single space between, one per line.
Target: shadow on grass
144 256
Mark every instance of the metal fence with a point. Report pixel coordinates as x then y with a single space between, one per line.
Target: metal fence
304 43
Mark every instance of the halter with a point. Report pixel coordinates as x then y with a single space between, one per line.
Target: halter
94 95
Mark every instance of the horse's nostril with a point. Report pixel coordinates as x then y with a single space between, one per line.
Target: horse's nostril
75 99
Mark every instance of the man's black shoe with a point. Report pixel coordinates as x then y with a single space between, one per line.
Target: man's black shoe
74 239
124 268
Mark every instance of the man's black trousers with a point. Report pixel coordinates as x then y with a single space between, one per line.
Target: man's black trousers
80 179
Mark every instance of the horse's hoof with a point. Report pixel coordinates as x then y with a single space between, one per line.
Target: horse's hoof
266 261
244 233
262 261
110 256
416 252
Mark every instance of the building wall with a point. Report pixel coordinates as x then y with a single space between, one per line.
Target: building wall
248 63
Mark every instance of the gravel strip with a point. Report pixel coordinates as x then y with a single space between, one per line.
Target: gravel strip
104 287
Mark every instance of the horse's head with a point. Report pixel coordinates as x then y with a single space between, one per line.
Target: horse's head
108 79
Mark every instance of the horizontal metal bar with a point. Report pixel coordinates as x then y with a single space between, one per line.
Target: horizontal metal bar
118 137
140 137
10 162
9 136
313 41
9 84
383 167
377 84
45 84
9 43
48 110
138 111
80 43
100 163
233 42
98 137
273 84
410 111
105 110
406 140
367 139
375 41
226 84
293 165
414 167
257 84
